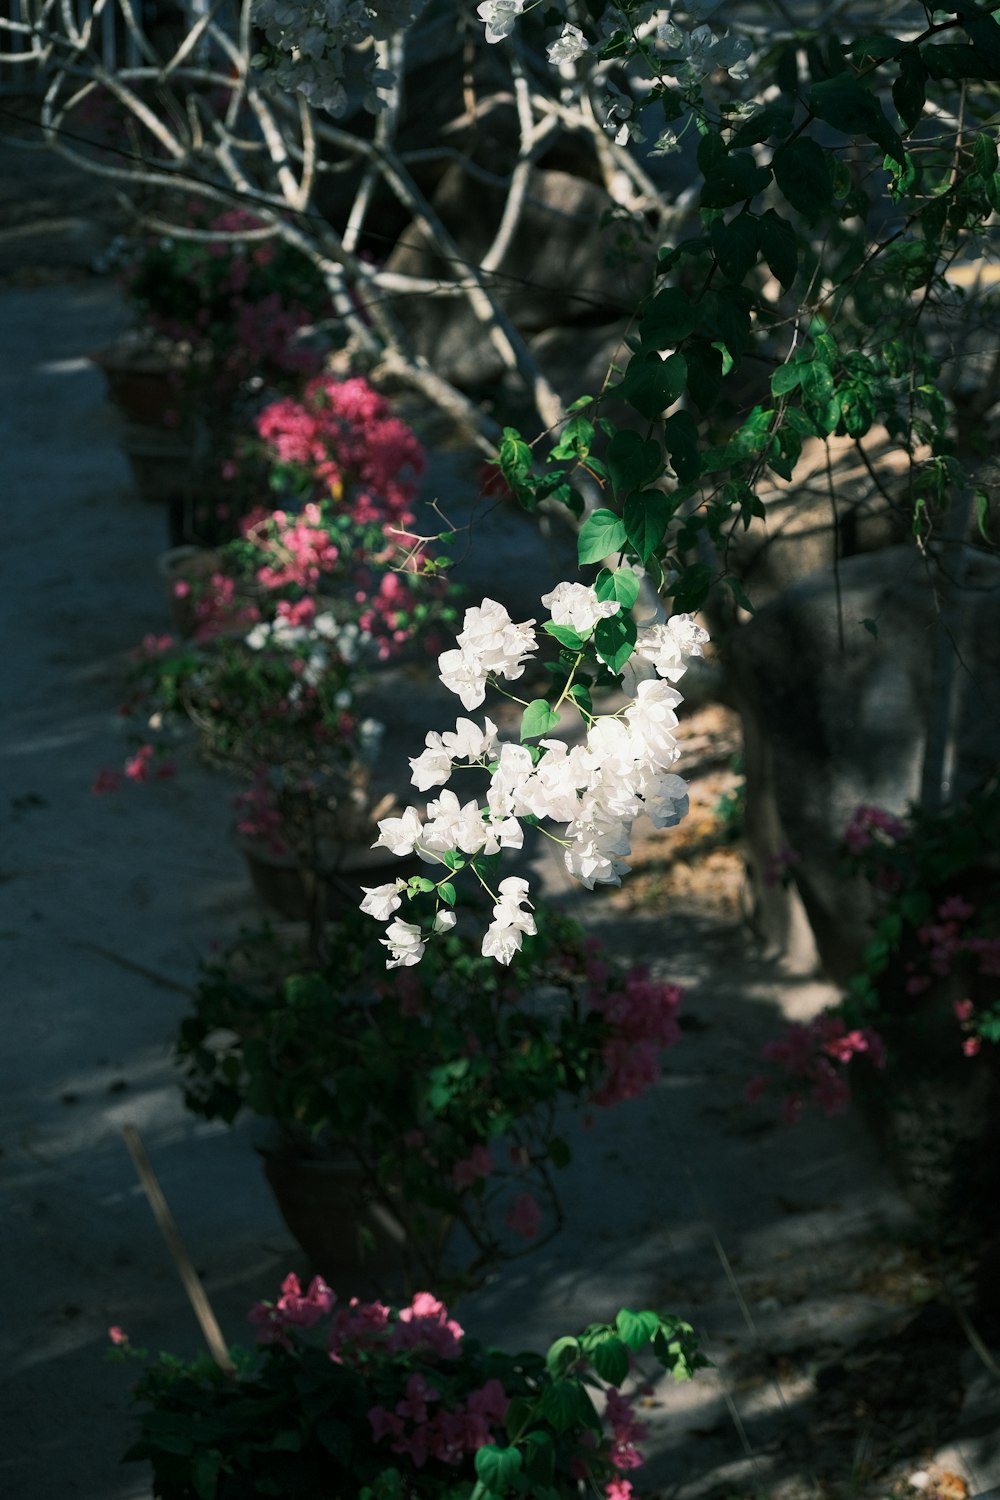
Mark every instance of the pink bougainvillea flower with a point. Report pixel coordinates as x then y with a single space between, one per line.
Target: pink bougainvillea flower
525 1217
117 1335
106 781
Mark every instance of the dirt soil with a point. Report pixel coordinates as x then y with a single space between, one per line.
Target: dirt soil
845 1360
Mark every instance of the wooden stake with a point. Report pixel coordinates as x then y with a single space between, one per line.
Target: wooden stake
190 1279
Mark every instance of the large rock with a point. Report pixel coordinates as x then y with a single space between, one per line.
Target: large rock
832 509
834 717
558 270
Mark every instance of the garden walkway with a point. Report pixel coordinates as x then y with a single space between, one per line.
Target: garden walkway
788 1249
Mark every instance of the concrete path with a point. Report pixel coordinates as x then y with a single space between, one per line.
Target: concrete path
786 1248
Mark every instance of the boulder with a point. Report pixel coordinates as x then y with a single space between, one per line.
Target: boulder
835 717
558 271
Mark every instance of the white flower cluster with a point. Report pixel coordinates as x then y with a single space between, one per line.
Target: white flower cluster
313 642
596 789
311 38
701 52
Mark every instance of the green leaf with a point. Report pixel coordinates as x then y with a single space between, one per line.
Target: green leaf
559 1405
497 1467
205 1467
576 440
564 636
637 1328
728 362
802 172
984 154
735 245
519 1413
982 511
537 719
984 34
871 626
647 515
632 462
733 180
651 384
957 60
779 246
691 588
704 373
909 90
601 534
562 1356
816 380
447 893
772 119
622 584
667 319
711 152
610 1360
680 433
786 378
615 640
515 456
845 103
739 593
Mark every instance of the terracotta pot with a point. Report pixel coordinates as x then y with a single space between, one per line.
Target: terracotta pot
145 379
281 882
352 1236
166 464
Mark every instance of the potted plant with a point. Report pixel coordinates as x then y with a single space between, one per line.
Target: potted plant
281 625
363 1399
431 1093
221 316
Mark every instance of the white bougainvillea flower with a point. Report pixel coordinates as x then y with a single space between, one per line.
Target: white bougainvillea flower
668 647
405 943
570 45
499 17
382 900
469 742
466 743
702 52
453 825
399 835
577 607
464 675
491 636
505 933
433 766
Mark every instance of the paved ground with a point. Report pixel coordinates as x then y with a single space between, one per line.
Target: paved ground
790 1250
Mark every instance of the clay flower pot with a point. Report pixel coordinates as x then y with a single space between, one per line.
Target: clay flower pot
352 1234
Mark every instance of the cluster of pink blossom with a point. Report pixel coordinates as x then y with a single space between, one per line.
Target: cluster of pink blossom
445 1433
343 432
299 547
216 605
257 817
948 943
869 821
424 1326
596 789
815 1056
643 1013
423 1423
626 1432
